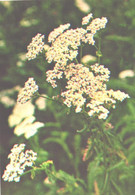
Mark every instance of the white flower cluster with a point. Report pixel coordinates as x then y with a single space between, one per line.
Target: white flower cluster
65 47
28 91
88 88
18 162
63 50
97 24
35 47
65 42
57 31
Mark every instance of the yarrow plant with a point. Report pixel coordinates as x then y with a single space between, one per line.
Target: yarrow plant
86 86
83 87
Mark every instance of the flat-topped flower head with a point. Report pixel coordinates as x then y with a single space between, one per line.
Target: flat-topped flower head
18 162
28 91
35 47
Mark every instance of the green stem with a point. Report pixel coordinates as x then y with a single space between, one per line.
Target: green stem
104 147
99 49
46 97
76 61
96 47
35 169
98 53
34 142
76 170
81 52
108 139
117 188
41 64
105 182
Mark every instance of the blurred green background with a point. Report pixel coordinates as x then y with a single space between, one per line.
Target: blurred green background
19 22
